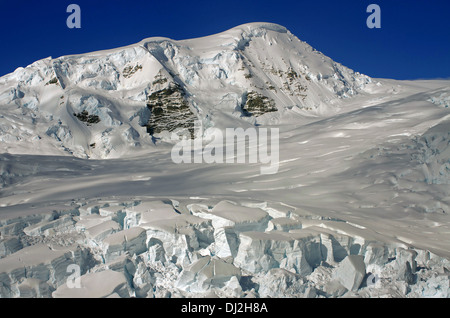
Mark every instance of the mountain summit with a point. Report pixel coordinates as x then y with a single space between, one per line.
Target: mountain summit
101 104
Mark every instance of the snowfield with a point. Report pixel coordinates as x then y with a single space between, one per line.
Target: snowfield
92 205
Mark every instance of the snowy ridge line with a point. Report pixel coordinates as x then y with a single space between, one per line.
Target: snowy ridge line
116 85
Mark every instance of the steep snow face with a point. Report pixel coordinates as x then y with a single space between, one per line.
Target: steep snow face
97 105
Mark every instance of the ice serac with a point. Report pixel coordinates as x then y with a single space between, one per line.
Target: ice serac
207 273
95 285
9 246
281 283
176 239
180 256
37 262
132 241
34 288
351 271
228 220
261 251
64 223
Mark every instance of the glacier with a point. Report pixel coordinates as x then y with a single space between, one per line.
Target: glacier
359 206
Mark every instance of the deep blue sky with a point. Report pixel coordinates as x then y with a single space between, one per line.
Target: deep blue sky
413 42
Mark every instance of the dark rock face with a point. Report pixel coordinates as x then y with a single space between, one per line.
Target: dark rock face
85 117
169 111
257 104
130 70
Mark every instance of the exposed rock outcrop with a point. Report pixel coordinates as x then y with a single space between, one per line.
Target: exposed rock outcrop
170 110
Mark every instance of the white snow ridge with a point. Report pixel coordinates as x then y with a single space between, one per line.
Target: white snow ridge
92 205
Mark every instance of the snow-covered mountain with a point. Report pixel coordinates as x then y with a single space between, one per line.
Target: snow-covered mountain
254 73
358 207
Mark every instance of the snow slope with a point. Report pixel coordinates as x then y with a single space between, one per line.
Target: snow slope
362 190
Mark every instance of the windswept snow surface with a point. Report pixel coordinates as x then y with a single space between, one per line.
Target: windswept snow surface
359 206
